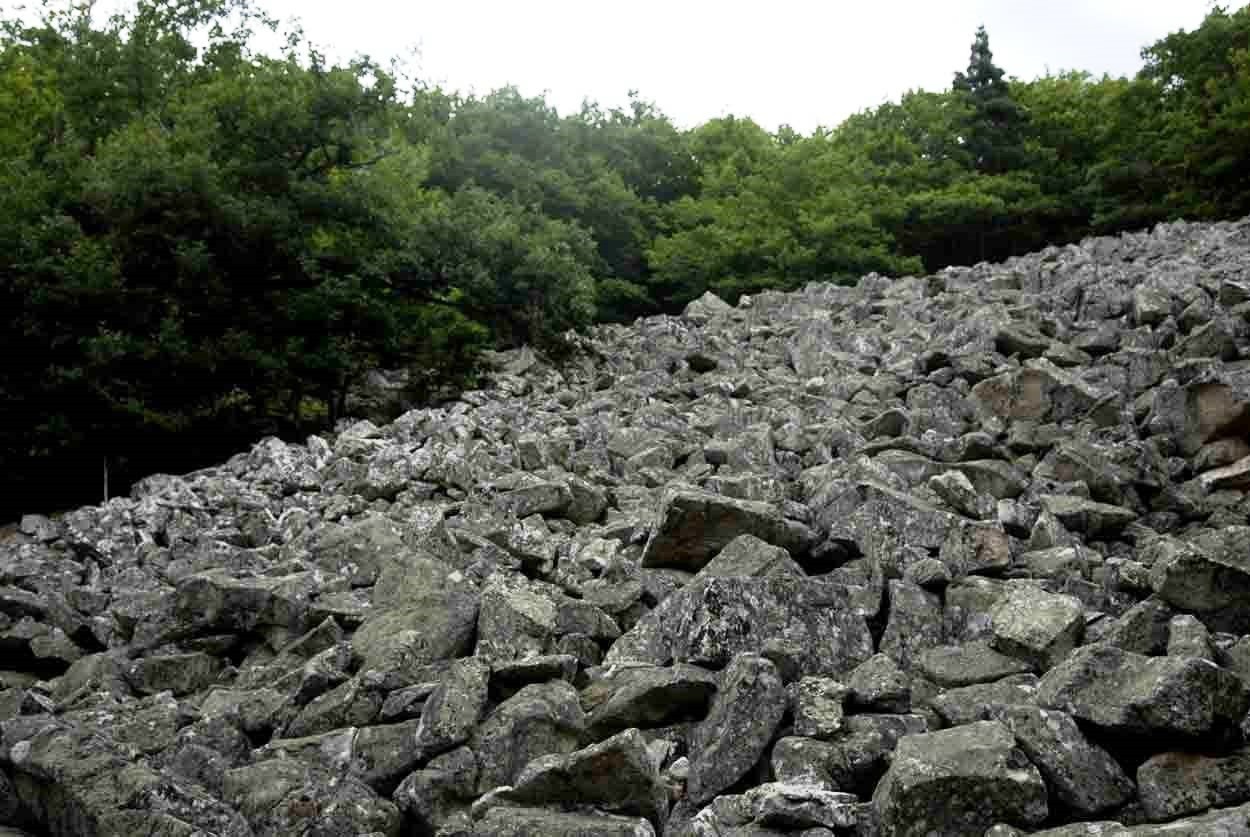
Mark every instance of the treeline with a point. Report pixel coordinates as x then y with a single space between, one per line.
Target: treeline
201 243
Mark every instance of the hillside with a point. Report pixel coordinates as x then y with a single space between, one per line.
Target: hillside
207 238
914 557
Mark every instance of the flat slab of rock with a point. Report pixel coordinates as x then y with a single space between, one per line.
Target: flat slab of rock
692 526
958 782
968 664
707 624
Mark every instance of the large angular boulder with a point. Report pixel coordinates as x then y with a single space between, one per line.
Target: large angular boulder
1037 627
641 695
959 782
1176 784
692 526
506 821
618 776
1082 776
741 724
539 720
1122 692
708 624
1038 391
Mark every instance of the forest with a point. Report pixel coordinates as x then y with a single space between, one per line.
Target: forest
203 242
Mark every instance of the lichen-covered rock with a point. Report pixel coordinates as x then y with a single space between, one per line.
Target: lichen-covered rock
539 822
542 719
708 624
1176 784
958 782
1082 776
740 726
618 776
1038 627
642 695
692 526
1127 693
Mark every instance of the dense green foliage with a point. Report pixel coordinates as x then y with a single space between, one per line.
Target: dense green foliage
201 243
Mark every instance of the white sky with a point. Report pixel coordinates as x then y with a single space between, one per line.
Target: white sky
801 62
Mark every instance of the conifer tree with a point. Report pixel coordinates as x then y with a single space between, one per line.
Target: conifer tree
994 134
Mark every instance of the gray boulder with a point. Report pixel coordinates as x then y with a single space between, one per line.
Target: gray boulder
708 624
740 726
693 526
1126 693
959 782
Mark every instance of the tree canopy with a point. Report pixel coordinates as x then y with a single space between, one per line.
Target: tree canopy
201 242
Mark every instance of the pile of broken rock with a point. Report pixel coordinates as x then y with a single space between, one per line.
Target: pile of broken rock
965 554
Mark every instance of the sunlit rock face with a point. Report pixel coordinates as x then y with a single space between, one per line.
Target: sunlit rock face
951 555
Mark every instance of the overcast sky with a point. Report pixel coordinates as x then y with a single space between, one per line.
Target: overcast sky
801 62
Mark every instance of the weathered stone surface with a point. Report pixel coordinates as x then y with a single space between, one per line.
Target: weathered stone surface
617 775
647 696
1081 775
817 704
454 708
969 663
1172 785
1127 693
958 782
740 725
710 623
692 526
538 822
539 720
1038 627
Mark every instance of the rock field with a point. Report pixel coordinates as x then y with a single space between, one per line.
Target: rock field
966 554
